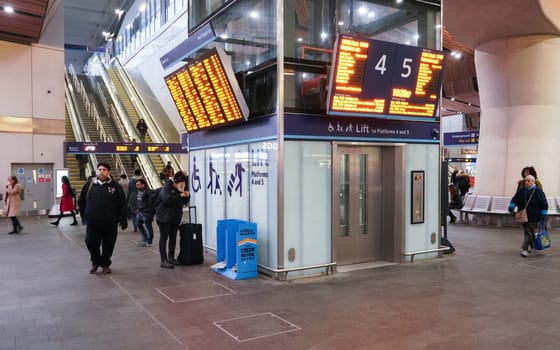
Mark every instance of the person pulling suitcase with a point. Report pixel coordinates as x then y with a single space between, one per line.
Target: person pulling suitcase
169 211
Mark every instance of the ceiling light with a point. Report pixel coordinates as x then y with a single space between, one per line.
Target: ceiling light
399 1
9 9
253 14
142 8
362 10
324 35
340 23
300 39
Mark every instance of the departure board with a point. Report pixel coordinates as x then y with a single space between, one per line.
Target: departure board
372 77
206 92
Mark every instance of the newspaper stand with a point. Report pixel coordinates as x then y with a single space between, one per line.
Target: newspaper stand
237 249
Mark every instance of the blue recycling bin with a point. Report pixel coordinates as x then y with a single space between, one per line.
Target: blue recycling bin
237 249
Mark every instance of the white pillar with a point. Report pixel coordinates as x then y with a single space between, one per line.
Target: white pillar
519 84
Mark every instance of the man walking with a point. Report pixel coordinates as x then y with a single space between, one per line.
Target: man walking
103 208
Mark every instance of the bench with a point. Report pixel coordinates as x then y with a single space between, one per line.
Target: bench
481 206
499 208
467 206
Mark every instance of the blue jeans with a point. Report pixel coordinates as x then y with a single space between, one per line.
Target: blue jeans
144 222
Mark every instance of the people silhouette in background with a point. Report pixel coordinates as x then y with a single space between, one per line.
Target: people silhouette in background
12 201
66 201
528 170
455 202
142 128
463 183
167 172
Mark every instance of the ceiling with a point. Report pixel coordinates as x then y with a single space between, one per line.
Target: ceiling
25 23
86 20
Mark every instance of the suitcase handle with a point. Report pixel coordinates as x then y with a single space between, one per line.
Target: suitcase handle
193 207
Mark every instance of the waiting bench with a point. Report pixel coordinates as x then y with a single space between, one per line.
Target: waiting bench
481 206
497 206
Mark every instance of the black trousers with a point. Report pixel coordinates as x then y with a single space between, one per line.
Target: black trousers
100 241
167 231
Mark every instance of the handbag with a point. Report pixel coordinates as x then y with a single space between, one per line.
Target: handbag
521 215
542 239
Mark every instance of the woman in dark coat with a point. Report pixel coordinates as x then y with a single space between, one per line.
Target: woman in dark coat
66 201
533 199
169 210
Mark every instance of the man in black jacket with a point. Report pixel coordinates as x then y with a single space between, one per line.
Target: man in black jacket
103 208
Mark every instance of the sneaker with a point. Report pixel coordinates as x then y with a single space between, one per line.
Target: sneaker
524 253
173 261
93 268
166 265
149 244
106 269
142 244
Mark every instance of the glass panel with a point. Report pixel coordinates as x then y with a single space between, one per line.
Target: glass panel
344 193
362 195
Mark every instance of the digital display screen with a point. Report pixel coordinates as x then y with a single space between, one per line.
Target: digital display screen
372 77
206 92
127 147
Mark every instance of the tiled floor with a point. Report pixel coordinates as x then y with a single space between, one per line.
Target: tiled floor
485 296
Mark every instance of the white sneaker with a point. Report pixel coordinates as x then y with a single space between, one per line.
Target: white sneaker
524 253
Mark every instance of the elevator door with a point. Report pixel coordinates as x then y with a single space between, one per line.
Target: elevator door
359 203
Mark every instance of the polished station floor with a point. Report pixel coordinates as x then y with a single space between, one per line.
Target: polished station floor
485 296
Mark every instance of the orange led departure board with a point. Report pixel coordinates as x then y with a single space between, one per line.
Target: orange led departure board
372 77
206 92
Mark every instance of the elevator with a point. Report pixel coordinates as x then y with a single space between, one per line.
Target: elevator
366 203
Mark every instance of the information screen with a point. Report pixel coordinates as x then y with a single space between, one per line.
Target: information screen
206 92
372 77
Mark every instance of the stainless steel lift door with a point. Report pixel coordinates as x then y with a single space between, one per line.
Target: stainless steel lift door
357 174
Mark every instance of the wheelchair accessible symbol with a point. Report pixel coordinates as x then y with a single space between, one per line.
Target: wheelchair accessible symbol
20 171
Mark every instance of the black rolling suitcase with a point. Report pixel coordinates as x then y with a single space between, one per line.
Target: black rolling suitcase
190 241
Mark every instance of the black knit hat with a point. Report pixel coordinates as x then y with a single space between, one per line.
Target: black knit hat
179 177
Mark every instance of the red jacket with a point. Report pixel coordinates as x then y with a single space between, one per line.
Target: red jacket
67 201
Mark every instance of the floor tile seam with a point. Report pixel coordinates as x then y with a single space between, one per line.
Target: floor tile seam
148 313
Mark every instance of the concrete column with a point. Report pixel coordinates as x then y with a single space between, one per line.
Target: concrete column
519 84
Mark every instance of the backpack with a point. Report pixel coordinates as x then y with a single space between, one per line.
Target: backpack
153 200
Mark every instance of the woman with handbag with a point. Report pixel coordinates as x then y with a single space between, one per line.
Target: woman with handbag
532 208
13 203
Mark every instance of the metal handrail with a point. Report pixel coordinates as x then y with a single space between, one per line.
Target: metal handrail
282 274
436 250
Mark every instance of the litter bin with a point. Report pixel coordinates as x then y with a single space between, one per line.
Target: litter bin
236 249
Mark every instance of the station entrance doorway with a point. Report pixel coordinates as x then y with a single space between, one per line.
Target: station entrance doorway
363 203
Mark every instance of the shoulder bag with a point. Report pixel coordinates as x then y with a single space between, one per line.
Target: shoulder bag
521 215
